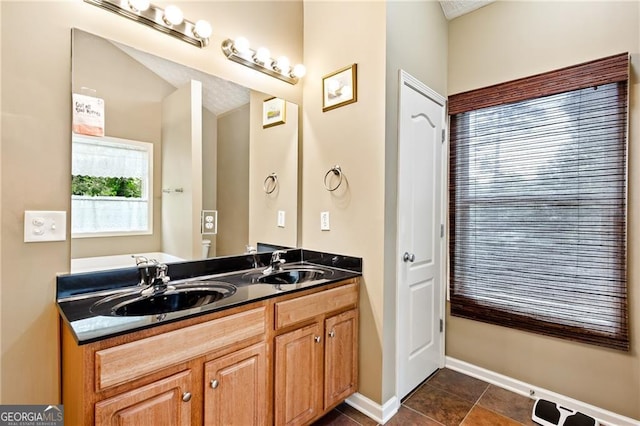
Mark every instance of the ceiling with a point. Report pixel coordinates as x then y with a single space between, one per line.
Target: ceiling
218 95
454 8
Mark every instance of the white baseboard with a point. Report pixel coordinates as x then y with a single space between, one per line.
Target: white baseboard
522 388
373 410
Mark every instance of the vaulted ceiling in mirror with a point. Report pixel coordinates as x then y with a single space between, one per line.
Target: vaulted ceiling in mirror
454 8
218 95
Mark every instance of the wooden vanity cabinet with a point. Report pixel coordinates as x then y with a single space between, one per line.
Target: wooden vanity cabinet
235 388
340 357
298 376
316 362
156 376
285 360
165 402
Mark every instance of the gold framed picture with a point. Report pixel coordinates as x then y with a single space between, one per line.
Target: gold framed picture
274 112
340 88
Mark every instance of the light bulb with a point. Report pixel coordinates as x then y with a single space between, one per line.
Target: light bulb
139 5
283 64
299 71
173 15
263 55
241 44
202 29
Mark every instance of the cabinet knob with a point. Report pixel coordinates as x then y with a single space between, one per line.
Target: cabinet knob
186 397
332 333
317 339
214 384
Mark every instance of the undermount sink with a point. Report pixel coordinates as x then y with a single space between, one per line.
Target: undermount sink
133 303
290 275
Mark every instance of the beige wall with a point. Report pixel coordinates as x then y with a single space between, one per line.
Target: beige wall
273 150
337 34
233 182
209 168
133 103
182 168
36 150
362 138
1 134
507 40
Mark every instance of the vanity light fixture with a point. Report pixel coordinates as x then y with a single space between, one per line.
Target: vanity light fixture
169 21
238 50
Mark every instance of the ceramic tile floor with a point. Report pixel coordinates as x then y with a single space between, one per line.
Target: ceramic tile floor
447 398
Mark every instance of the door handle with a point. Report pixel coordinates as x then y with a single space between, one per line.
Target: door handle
406 257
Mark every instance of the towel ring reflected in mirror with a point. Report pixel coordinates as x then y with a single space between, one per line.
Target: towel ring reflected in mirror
270 183
336 171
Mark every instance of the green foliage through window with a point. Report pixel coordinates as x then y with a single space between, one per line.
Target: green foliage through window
94 186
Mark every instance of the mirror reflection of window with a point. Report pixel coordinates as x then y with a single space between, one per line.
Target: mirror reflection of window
111 187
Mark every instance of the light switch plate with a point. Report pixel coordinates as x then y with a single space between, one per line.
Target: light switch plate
41 226
324 221
280 218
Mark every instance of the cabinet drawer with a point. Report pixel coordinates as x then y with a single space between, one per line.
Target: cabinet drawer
130 361
302 308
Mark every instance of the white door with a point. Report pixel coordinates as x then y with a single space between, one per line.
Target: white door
420 308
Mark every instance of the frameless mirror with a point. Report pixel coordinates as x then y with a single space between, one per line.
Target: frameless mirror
181 165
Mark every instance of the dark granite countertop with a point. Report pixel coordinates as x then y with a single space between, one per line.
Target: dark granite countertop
76 293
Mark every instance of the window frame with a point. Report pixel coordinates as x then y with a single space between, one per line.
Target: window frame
147 186
613 69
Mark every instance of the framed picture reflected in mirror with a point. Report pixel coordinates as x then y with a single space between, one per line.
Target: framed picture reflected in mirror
274 112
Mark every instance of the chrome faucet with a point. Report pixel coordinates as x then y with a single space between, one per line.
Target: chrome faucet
254 253
276 262
153 275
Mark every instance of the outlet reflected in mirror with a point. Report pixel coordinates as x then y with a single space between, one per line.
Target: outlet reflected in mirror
210 152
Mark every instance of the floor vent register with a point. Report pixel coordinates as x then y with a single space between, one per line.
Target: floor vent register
548 413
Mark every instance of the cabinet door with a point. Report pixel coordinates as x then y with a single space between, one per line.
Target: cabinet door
298 375
341 357
166 402
235 388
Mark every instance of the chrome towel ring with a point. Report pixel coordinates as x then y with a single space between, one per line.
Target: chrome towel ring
268 189
337 171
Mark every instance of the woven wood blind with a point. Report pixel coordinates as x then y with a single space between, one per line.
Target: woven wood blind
538 189
611 69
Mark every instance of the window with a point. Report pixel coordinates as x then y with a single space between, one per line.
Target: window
111 187
538 203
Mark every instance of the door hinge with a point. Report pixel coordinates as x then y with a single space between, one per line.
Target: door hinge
443 135
441 231
441 325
